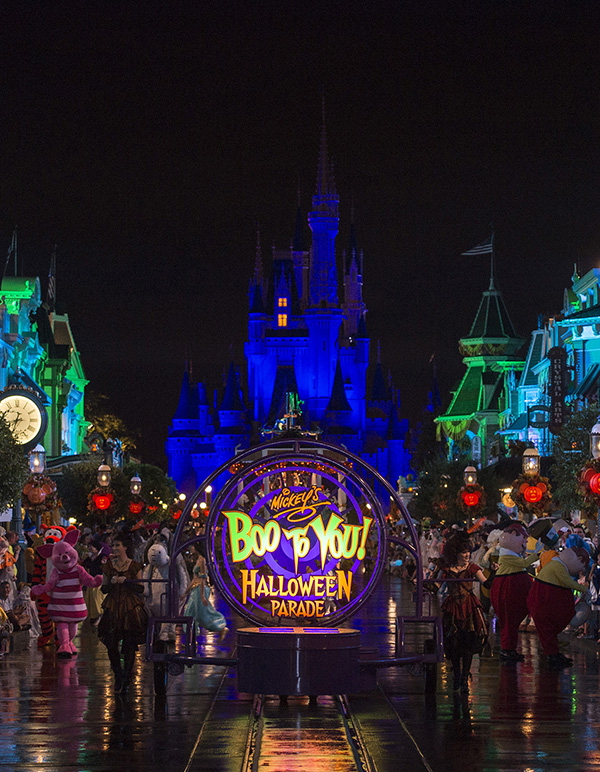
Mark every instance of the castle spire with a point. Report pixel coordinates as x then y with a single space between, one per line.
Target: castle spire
258 268
324 222
325 181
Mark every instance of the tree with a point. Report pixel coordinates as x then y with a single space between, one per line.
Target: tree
439 483
571 451
425 444
106 423
80 479
13 466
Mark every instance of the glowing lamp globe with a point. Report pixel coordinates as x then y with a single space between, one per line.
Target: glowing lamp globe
104 475
135 485
595 441
531 462
470 475
37 460
595 484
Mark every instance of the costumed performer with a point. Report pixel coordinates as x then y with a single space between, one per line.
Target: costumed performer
124 618
64 587
198 603
510 588
465 629
551 602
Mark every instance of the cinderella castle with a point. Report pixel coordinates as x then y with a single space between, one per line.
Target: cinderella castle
305 342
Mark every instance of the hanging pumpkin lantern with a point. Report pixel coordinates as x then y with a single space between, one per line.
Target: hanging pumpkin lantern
594 483
471 499
136 507
102 501
532 494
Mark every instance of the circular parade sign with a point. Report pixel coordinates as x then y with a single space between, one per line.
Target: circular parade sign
296 538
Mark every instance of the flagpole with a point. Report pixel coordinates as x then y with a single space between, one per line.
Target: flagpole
15 247
492 287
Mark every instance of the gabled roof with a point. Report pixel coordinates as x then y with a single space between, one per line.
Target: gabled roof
587 388
534 356
466 399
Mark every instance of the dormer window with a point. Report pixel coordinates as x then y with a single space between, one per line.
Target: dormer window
282 302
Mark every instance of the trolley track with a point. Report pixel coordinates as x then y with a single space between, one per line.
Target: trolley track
295 736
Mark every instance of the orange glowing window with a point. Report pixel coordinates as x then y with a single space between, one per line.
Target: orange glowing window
282 302
282 320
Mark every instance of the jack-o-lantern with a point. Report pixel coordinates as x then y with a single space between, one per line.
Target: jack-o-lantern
532 494
136 507
102 501
594 483
471 499
35 494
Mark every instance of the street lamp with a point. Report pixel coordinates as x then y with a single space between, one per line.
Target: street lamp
37 460
104 475
135 485
531 462
595 440
470 475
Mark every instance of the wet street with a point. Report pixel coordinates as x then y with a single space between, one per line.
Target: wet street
64 716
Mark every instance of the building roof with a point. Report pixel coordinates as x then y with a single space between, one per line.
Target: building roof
588 314
587 388
466 399
534 356
492 319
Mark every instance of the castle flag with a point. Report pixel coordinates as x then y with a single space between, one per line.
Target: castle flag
485 248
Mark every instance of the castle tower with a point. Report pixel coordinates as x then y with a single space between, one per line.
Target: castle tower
353 305
323 315
184 437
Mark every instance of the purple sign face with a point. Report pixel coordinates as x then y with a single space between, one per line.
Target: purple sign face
296 539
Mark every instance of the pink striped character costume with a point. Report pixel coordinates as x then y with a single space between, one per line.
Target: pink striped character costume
66 607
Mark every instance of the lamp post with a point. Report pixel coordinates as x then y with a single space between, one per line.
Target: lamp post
531 462
37 460
104 475
470 475
595 453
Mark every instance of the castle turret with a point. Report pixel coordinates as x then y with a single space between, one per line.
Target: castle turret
353 305
184 438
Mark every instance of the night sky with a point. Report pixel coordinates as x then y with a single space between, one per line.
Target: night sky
148 139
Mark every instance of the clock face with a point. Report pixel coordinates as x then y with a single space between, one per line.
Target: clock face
24 416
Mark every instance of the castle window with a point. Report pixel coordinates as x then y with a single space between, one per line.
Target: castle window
282 319
282 303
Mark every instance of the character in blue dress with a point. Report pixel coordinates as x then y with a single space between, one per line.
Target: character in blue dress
198 603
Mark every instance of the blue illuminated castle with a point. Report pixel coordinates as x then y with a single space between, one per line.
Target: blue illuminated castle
303 340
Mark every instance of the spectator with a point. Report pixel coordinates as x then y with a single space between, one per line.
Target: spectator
17 614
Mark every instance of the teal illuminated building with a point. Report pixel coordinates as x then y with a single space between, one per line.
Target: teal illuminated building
306 335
